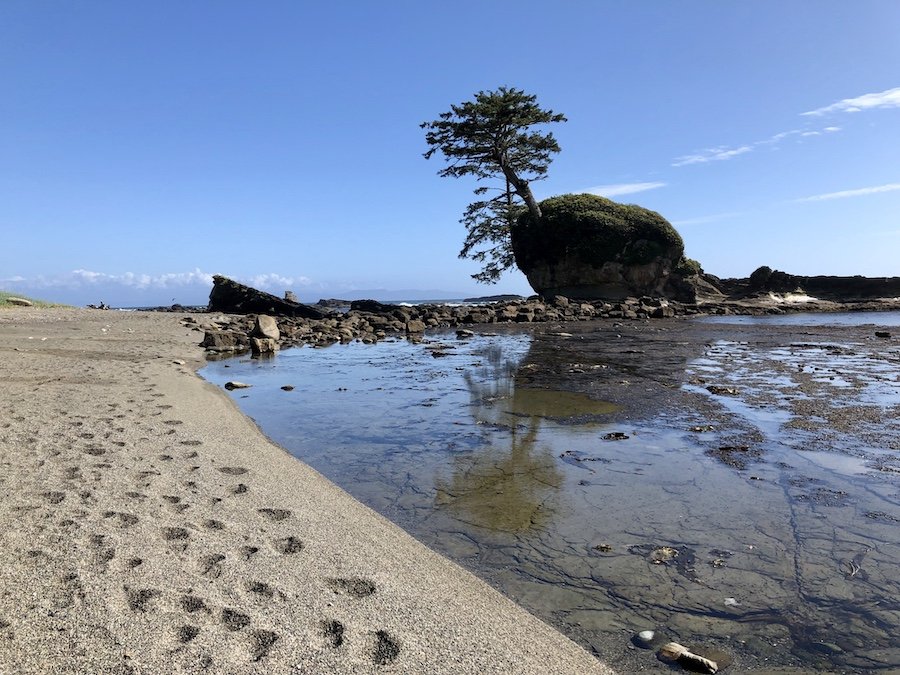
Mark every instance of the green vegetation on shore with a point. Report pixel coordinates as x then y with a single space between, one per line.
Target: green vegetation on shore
5 296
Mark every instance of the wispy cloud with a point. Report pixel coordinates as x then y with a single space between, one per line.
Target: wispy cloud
619 189
890 187
890 98
723 152
717 154
701 220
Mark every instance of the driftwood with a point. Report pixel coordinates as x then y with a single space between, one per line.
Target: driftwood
672 651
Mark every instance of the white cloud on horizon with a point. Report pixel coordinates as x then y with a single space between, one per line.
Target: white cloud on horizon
619 189
889 187
81 278
890 98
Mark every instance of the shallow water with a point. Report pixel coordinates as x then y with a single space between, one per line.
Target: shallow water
781 520
811 319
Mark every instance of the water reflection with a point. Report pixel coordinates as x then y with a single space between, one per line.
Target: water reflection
510 484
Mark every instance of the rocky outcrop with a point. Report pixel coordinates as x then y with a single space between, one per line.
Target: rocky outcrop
838 289
231 297
589 247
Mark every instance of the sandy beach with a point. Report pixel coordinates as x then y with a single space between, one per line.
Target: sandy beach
149 527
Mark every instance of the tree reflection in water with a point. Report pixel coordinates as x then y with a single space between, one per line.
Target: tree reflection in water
511 483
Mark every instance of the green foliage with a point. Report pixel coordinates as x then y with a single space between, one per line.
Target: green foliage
688 267
493 138
595 230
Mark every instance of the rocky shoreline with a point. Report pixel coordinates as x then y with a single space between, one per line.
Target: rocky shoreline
369 321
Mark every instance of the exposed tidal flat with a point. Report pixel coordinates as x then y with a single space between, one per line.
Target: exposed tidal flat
732 484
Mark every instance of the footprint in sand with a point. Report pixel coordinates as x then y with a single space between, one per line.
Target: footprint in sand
54 497
260 589
248 552
234 620
288 545
334 633
178 537
275 515
125 519
233 470
355 587
139 598
386 649
261 643
187 633
211 565
191 604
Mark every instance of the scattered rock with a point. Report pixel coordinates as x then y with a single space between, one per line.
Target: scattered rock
232 384
882 334
21 302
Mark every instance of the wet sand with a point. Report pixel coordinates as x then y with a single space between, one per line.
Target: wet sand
148 526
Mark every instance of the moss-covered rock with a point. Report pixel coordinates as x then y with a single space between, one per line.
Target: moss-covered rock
585 246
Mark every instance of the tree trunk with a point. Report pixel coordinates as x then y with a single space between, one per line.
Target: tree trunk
524 191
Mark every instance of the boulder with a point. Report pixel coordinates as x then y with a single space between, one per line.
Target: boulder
266 327
589 247
263 345
233 298
415 326
21 302
224 341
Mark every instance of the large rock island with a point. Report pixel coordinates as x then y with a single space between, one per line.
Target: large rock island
589 247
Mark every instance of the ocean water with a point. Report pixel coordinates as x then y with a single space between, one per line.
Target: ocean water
733 486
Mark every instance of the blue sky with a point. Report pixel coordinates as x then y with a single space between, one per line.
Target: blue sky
146 146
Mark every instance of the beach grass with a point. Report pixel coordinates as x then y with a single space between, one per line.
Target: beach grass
5 296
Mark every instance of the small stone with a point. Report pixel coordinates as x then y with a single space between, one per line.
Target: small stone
878 333
236 385
644 639
287 387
